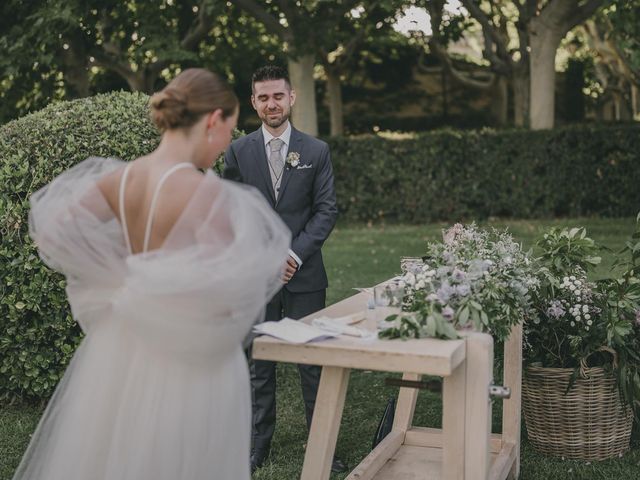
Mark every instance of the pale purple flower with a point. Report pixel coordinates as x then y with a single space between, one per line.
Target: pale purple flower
448 313
445 292
458 275
463 290
638 318
555 309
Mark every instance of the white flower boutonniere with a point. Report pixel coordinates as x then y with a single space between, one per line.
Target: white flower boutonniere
293 159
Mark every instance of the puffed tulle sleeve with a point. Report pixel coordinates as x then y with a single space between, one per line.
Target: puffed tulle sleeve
221 263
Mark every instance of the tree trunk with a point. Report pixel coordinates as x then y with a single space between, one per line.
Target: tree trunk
542 58
334 89
499 103
141 81
521 86
445 99
635 106
76 75
76 81
304 115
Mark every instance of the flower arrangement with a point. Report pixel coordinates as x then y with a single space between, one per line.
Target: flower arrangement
473 279
579 322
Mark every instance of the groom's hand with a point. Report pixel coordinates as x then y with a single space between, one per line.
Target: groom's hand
290 269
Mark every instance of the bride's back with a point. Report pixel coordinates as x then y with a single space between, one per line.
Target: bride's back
137 191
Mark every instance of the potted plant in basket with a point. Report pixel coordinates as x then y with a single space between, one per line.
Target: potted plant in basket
581 349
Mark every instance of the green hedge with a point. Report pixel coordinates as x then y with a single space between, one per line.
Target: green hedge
37 333
437 176
453 175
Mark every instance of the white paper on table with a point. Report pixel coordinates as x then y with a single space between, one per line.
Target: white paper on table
293 331
341 326
368 290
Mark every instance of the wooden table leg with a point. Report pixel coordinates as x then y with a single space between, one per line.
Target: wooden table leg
406 405
511 408
453 416
325 424
479 362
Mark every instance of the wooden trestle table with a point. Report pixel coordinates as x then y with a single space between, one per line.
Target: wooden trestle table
464 449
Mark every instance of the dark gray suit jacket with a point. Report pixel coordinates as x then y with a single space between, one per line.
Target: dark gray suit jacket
307 199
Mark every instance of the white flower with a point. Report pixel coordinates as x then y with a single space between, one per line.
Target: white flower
589 322
410 278
572 287
571 277
585 308
420 285
293 159
587 316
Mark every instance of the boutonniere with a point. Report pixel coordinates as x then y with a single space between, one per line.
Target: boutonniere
293 159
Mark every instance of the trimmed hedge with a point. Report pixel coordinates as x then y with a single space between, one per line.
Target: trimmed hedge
452 175
445 175
37 334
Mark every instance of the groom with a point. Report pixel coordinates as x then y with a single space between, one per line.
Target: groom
293 171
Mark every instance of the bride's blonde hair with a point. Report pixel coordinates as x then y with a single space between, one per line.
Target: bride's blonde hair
192 94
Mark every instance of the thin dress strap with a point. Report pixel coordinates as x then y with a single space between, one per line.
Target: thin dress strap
154 200
123 217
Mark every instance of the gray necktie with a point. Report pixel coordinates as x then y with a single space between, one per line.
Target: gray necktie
276 163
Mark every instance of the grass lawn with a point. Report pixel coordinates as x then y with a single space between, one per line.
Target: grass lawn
361 256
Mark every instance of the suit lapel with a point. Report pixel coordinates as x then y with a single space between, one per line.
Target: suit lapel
260 156
295 145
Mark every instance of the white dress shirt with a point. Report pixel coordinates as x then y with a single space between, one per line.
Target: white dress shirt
286 138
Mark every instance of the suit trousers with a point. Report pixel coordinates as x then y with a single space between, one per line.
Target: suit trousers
263 372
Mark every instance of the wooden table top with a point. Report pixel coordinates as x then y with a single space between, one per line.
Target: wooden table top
427 356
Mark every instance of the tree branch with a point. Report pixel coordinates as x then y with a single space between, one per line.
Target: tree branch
262 15
585 11
201 29
488 28
107 61
567 14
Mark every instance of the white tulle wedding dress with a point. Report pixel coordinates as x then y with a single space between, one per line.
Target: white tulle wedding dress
159 387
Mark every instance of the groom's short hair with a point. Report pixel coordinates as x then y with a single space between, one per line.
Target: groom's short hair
270 72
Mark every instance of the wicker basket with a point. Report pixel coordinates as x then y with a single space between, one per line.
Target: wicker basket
589 422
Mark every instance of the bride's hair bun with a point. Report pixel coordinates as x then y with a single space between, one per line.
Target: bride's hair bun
168 108
192 94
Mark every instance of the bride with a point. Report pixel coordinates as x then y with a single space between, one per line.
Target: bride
167 270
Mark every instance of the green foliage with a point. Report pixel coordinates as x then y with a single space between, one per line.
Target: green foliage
624 16
37 333
452 175
564 249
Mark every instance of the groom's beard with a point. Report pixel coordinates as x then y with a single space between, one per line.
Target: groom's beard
276 120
